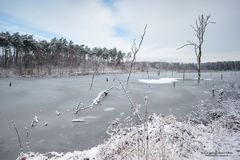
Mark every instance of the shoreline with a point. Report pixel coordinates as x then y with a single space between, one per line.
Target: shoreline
77 74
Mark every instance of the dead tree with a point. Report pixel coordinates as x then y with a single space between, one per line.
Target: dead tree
199 30
135 50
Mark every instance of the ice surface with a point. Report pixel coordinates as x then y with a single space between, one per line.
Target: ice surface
211 134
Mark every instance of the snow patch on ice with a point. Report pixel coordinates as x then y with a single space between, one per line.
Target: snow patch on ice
36 119
78 120
58 113
41 141
89 117
207 79
206 92
109 109
158 81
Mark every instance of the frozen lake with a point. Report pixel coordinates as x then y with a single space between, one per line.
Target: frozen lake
28 97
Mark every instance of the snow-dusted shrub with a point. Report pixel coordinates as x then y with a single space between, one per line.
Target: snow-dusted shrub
212 130
168 139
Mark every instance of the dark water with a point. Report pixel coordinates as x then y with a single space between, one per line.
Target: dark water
42 97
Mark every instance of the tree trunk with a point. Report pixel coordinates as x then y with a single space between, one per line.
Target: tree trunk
3 57
199 73
199 63
16 57
130 72
6 58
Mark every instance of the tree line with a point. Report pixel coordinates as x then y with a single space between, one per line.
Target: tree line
213 66
23 52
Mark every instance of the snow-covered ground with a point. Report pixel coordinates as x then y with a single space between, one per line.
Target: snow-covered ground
211 132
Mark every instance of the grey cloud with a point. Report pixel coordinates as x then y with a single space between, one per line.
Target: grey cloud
93 23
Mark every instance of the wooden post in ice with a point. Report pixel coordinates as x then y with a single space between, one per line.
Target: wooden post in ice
220 94
159 72
174 84
183 74
213 92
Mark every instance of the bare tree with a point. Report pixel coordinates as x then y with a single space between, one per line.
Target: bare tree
200 27
135 48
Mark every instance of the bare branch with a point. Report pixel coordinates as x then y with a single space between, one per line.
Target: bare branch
95 71
128 97
142 37
135 50
95 101
133 46
188 44
211 22
18 136
193 28
192 43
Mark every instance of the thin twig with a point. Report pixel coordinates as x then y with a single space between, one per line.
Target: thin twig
126 94
96 69
19 140
146 127
135 50
28 142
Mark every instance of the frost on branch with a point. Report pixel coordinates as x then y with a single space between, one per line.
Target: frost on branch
95 101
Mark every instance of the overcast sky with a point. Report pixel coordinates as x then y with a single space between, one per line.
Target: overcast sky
115 23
